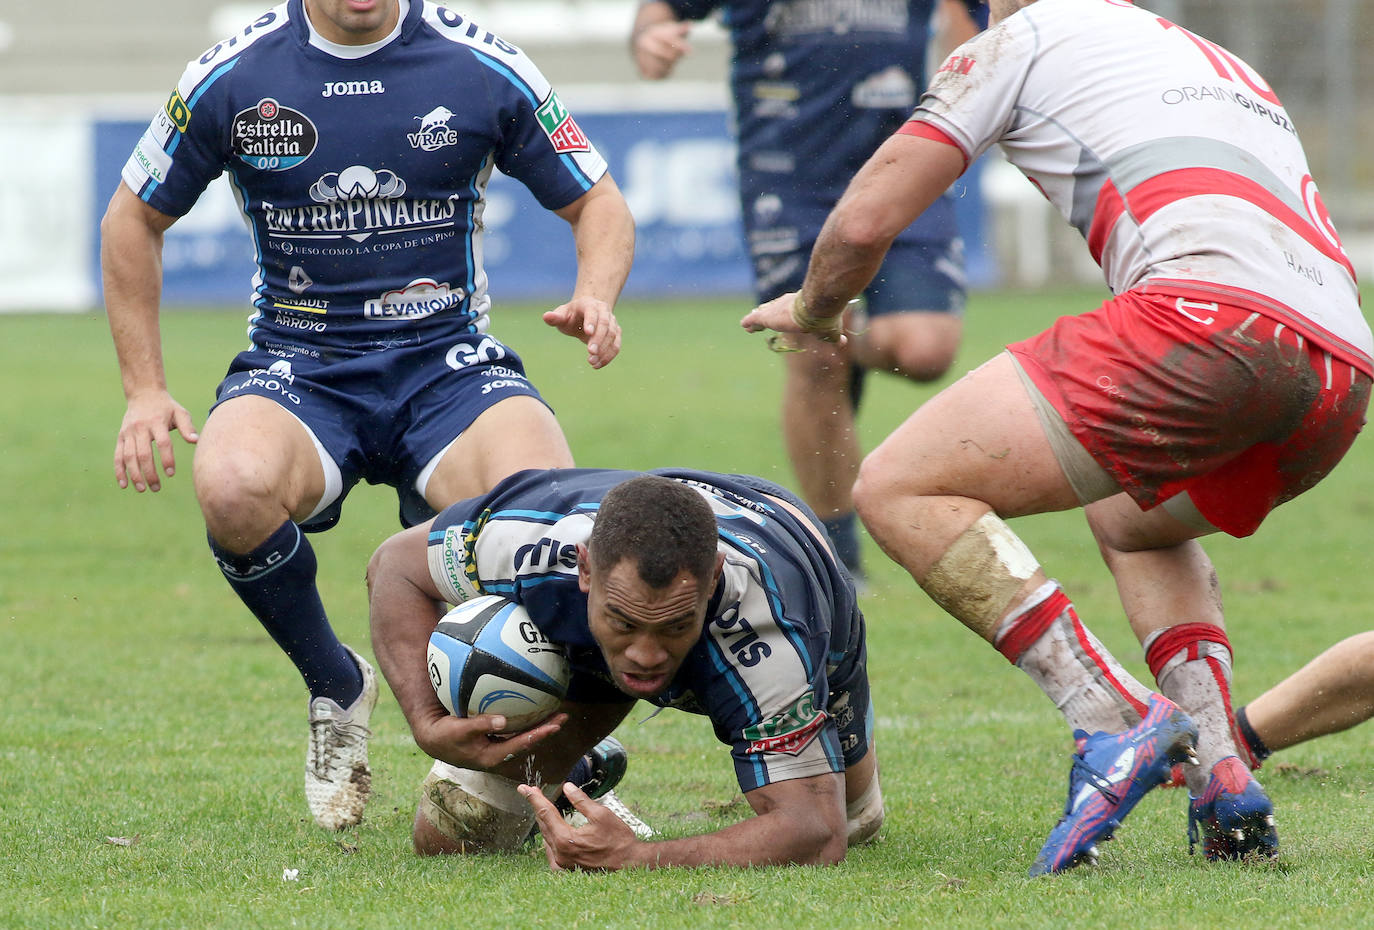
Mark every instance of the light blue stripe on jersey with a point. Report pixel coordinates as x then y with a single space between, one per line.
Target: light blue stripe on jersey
519 84
770 587
728 672
543 516
259 293
190 106
473 232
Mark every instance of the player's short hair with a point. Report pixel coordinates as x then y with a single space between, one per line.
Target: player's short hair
660 524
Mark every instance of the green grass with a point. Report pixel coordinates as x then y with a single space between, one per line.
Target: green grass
142 703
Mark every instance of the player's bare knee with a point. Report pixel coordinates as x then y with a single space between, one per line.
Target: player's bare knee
929 360
239 520
874 493
921 361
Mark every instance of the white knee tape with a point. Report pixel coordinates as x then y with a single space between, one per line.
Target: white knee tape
864 815
980 574
479 811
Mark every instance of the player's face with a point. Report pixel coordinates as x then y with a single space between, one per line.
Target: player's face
353 22
644 633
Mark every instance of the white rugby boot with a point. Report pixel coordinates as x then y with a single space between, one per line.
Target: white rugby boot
338 779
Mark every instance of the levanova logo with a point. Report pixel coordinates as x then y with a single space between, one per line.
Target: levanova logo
271 137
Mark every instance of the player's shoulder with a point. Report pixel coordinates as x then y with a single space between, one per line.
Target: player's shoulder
469 37
254 37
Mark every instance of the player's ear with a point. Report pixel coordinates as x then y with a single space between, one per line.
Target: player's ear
720 567
584 569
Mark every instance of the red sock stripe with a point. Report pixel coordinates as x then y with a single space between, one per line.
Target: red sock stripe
1084 643
1224 686
1031 625
1180 637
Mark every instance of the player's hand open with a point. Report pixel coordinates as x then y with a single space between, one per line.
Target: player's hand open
604 843
657 47
592 321
148 423
788 314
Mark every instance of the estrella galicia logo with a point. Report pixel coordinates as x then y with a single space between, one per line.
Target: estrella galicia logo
271 137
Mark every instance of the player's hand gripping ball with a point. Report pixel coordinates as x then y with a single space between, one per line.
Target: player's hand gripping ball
487 657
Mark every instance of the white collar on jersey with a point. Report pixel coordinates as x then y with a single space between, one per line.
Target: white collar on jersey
355 51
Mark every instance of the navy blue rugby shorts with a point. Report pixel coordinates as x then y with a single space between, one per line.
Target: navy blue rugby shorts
382 416
926 275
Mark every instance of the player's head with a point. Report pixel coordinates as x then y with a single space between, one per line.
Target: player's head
649 570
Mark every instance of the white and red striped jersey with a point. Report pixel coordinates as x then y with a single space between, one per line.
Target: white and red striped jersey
1173 157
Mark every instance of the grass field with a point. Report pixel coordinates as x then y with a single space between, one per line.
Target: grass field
152 740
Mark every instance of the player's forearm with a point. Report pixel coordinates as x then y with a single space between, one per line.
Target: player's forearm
604 236
839 270
401 617
131 271
897 184
769 839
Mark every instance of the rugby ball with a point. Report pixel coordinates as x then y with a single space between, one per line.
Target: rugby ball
486 656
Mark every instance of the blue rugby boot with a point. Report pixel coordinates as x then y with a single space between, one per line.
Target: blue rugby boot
1111 773
1234 817
598 771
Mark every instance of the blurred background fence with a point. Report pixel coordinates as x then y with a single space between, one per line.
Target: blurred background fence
79 82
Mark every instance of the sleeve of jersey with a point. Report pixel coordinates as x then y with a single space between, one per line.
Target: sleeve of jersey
768 700
971 100
179 153
478 547
542 145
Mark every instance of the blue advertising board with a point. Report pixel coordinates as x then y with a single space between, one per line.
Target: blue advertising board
676 169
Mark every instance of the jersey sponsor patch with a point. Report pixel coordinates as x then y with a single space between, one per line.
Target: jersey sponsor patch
434 133
177 111
420 298
789 731
150 157
560 127
271 137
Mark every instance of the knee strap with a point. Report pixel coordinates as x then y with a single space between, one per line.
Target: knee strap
980 574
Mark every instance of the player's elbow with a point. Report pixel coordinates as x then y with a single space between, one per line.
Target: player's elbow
862 230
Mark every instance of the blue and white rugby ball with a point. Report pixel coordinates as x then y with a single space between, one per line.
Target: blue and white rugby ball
487 657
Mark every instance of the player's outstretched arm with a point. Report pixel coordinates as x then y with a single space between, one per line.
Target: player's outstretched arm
658 40
604 235
404 607
131 268
797 822
897 184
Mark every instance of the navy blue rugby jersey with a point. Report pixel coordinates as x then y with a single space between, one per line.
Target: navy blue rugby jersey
362 170
818 85
781 618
